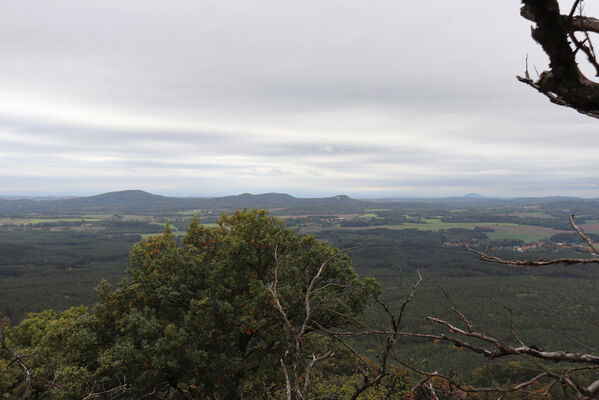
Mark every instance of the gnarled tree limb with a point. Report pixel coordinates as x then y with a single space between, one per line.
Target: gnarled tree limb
18 358
541 263
493 347
564 84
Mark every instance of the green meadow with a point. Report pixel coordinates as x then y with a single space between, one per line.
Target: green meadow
526 237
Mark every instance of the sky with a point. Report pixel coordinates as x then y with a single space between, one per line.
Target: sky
378 98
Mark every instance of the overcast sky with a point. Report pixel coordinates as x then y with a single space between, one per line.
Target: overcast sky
378 98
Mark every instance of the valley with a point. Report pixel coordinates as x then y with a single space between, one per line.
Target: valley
53 254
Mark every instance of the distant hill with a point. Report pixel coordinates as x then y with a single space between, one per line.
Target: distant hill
137 201
125 198
247 200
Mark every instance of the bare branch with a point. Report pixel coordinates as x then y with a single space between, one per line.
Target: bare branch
328 285
273 289
310 366
519 387
287 381
116 389
512 330
310 289
19 360
505 349
293 384
583 235
564 84
406 301
541 263
584 24
455 308
573 9
531 263
592 390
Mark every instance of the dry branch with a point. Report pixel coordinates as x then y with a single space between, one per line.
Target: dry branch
564 84
492 347
112 391
18 358
541 263
298 384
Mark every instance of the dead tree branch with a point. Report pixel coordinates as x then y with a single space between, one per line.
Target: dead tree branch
297 381
492 347
373 374
541 263
564 84
301 373
18 358
115 391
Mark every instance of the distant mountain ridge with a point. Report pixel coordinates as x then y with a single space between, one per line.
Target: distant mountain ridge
141 201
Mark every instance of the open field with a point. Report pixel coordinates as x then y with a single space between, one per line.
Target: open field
437 225
501 230
369 215
531 214
33 221
525 237
527 233
541 231
173 230
125 217
591 227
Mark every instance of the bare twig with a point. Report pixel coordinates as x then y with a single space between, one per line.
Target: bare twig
18 358
117 389
541 263
293 384
512 330
531 263
583 235
564 84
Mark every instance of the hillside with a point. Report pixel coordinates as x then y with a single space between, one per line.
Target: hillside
136 201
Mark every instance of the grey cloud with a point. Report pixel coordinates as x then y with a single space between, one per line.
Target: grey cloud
312 97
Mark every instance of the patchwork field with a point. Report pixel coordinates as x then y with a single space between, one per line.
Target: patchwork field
34 221
435 224
591 228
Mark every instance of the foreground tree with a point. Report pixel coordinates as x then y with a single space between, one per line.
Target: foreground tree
373 374
193 319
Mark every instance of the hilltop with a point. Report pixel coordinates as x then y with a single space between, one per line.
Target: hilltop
133 201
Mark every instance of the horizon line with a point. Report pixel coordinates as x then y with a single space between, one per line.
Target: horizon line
17 196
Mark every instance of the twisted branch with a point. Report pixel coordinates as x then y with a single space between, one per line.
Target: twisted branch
18 358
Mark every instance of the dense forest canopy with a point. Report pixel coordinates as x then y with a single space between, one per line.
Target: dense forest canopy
193 318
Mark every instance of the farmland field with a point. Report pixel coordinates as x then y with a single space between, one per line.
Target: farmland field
591 227
33 221
526 233
437 225
525 237
369 215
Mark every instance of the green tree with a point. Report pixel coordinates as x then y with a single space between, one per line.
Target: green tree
59 351
194 318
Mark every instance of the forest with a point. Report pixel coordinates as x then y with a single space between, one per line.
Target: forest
84 278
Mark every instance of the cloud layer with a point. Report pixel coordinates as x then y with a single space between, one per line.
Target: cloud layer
311 98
